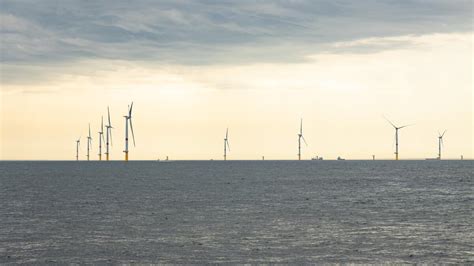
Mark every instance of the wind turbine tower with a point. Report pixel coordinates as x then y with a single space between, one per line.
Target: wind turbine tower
101 136
128 120
396 136
300 136
89 142
440 143
226 144
78 142
108 134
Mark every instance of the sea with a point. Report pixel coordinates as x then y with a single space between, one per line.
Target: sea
200 212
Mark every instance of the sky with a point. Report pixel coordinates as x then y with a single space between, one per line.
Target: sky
195 68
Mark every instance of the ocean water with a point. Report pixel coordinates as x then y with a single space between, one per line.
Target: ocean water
237 211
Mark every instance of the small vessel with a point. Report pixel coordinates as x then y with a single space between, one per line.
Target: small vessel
317 158
339 158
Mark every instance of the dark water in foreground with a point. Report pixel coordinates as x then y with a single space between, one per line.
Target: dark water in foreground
196 212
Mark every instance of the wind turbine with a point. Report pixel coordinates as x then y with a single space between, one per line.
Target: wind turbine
78 142
226 144
440 143
300 136
396 136
89 142
108 129
101 137
128 120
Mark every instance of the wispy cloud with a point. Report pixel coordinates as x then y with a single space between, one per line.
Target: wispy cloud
207 32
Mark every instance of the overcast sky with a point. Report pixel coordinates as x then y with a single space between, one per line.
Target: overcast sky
76 50
208 32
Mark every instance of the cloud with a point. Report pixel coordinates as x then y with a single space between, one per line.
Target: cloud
213 32
100 74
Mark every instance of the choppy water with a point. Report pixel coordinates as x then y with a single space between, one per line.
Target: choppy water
237 211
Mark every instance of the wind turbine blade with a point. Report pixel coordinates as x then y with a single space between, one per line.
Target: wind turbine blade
108 113
131 129
304 140
226 133
228 146
390 122
102 124
301 126
130 111
443 134
406 126
89 130
110 136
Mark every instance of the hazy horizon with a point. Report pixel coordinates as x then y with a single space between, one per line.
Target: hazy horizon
195 68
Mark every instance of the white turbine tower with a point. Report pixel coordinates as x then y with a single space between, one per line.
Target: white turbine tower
396 136
89 142
78 142
440 143
128 120
108 133
226 144
101 137
300 136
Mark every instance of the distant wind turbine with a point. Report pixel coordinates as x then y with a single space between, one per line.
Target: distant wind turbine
78 142
101 137
396 136
440 143
128 120
108 134
89 142
226 144
300 136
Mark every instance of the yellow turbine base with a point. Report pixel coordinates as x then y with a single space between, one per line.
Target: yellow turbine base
107 156
100 157
396 157
126 156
